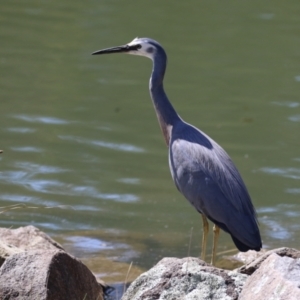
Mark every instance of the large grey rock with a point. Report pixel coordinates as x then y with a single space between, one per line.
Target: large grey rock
49 275
272 275
187 278
277 278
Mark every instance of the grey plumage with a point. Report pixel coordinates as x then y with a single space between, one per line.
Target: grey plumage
206 176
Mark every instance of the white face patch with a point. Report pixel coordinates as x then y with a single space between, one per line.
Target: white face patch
146 49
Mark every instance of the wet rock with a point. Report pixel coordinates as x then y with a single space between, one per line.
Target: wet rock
277 277
187 278
36 267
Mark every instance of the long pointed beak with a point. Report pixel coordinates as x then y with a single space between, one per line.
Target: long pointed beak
119 49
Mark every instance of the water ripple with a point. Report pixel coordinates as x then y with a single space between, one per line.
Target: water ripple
272 220
91 244
263 210
41 119
293 191
18 198
119 197
29 199
266 16
295 118
36 168
44 186
12 176
109 145
85 208
82 244
287 103
129 180
56 187
26 149
293 173
21 129
275 230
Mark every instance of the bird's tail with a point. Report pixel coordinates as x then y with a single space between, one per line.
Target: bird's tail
243 247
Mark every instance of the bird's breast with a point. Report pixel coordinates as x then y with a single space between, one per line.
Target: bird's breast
183 163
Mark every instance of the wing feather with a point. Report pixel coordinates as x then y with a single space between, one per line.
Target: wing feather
204 173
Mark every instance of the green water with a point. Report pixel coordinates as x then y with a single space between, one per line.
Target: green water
79 132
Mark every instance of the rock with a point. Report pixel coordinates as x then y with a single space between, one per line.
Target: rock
37 268
231 262
33 266
28 237
252 266
52 274
187 278
249 256
278 277
6 251
274 274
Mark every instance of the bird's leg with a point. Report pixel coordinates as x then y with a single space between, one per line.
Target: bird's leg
204 236
216 231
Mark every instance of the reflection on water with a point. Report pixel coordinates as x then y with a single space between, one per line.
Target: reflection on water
113 146
18 198
267 16
83 246
33 169
276 227
129 180
287 103
21 129
25 179
275 231
293 173
82 148
39 119
90 244
26 149
293 191
295 118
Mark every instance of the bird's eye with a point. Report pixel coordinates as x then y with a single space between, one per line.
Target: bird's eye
138 47
150 50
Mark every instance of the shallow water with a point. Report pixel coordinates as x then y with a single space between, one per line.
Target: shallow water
82 147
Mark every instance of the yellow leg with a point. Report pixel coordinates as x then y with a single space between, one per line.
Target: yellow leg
216 230
204 236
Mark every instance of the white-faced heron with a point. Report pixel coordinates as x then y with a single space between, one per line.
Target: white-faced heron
201 169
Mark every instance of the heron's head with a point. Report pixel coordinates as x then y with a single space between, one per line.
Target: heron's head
139 46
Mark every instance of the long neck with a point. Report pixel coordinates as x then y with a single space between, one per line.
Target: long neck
166 114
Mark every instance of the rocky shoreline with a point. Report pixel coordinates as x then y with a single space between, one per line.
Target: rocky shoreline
34 266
